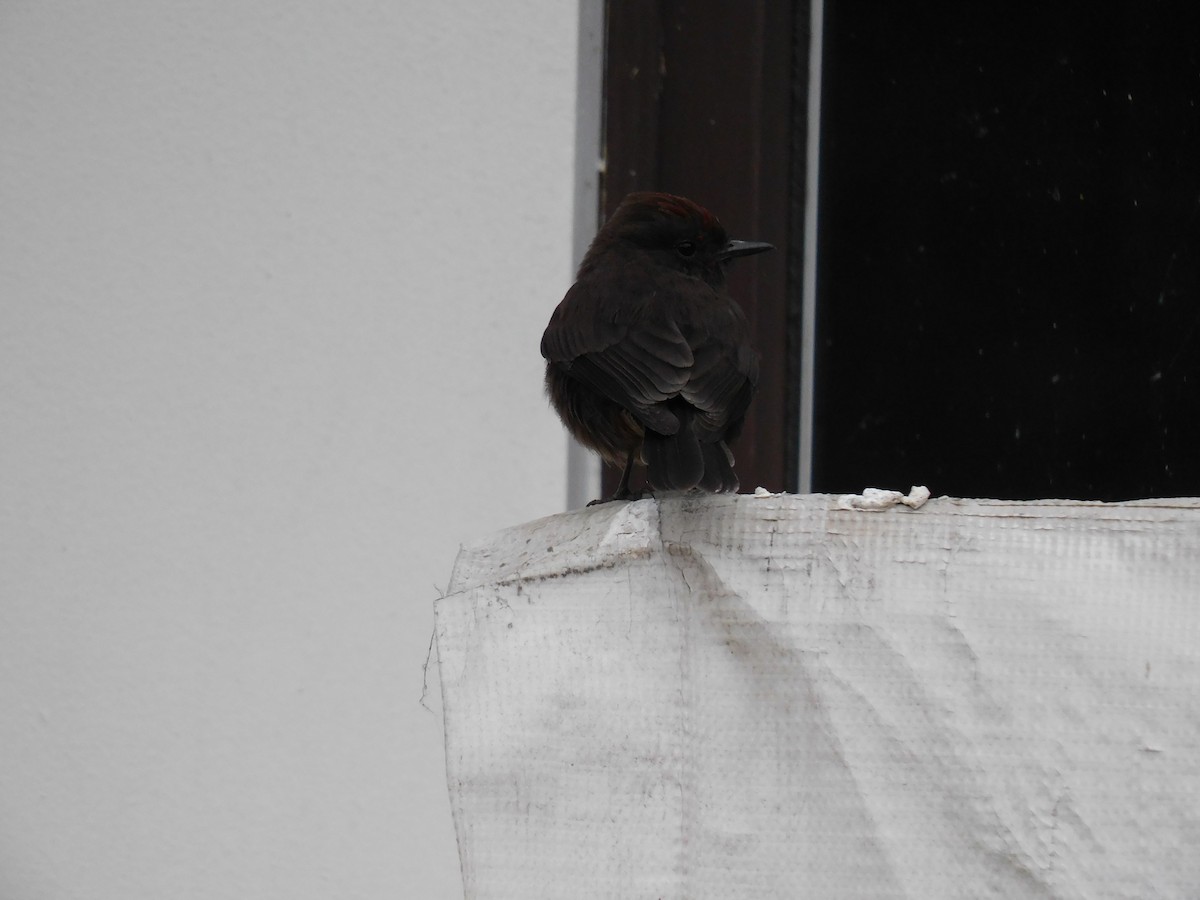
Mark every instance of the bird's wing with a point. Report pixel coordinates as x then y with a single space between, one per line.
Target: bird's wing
636 367
721 384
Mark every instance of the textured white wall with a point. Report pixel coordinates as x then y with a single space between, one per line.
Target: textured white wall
272 280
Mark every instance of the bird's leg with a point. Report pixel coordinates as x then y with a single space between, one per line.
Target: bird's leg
622 492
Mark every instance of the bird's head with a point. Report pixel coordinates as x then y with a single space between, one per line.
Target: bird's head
677 233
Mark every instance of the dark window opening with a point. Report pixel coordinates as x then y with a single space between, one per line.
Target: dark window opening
1008 299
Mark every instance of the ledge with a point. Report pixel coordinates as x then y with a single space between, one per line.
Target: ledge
777 697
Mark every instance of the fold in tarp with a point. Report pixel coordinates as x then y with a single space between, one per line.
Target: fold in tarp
728 697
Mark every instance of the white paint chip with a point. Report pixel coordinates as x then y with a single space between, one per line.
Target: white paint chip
876 499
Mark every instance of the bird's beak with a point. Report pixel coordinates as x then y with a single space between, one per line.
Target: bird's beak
742 248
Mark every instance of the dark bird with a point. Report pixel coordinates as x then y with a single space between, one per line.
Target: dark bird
648 358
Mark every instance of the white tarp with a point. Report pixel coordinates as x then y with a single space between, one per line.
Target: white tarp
772 696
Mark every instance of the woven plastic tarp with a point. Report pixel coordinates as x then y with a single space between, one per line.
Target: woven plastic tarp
736 697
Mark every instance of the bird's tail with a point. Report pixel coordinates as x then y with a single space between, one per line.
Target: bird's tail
680 461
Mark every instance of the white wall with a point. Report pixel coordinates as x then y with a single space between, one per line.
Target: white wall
272 281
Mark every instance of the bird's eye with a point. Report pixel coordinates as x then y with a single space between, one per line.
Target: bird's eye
685 249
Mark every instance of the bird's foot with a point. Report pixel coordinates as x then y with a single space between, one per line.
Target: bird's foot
628 496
